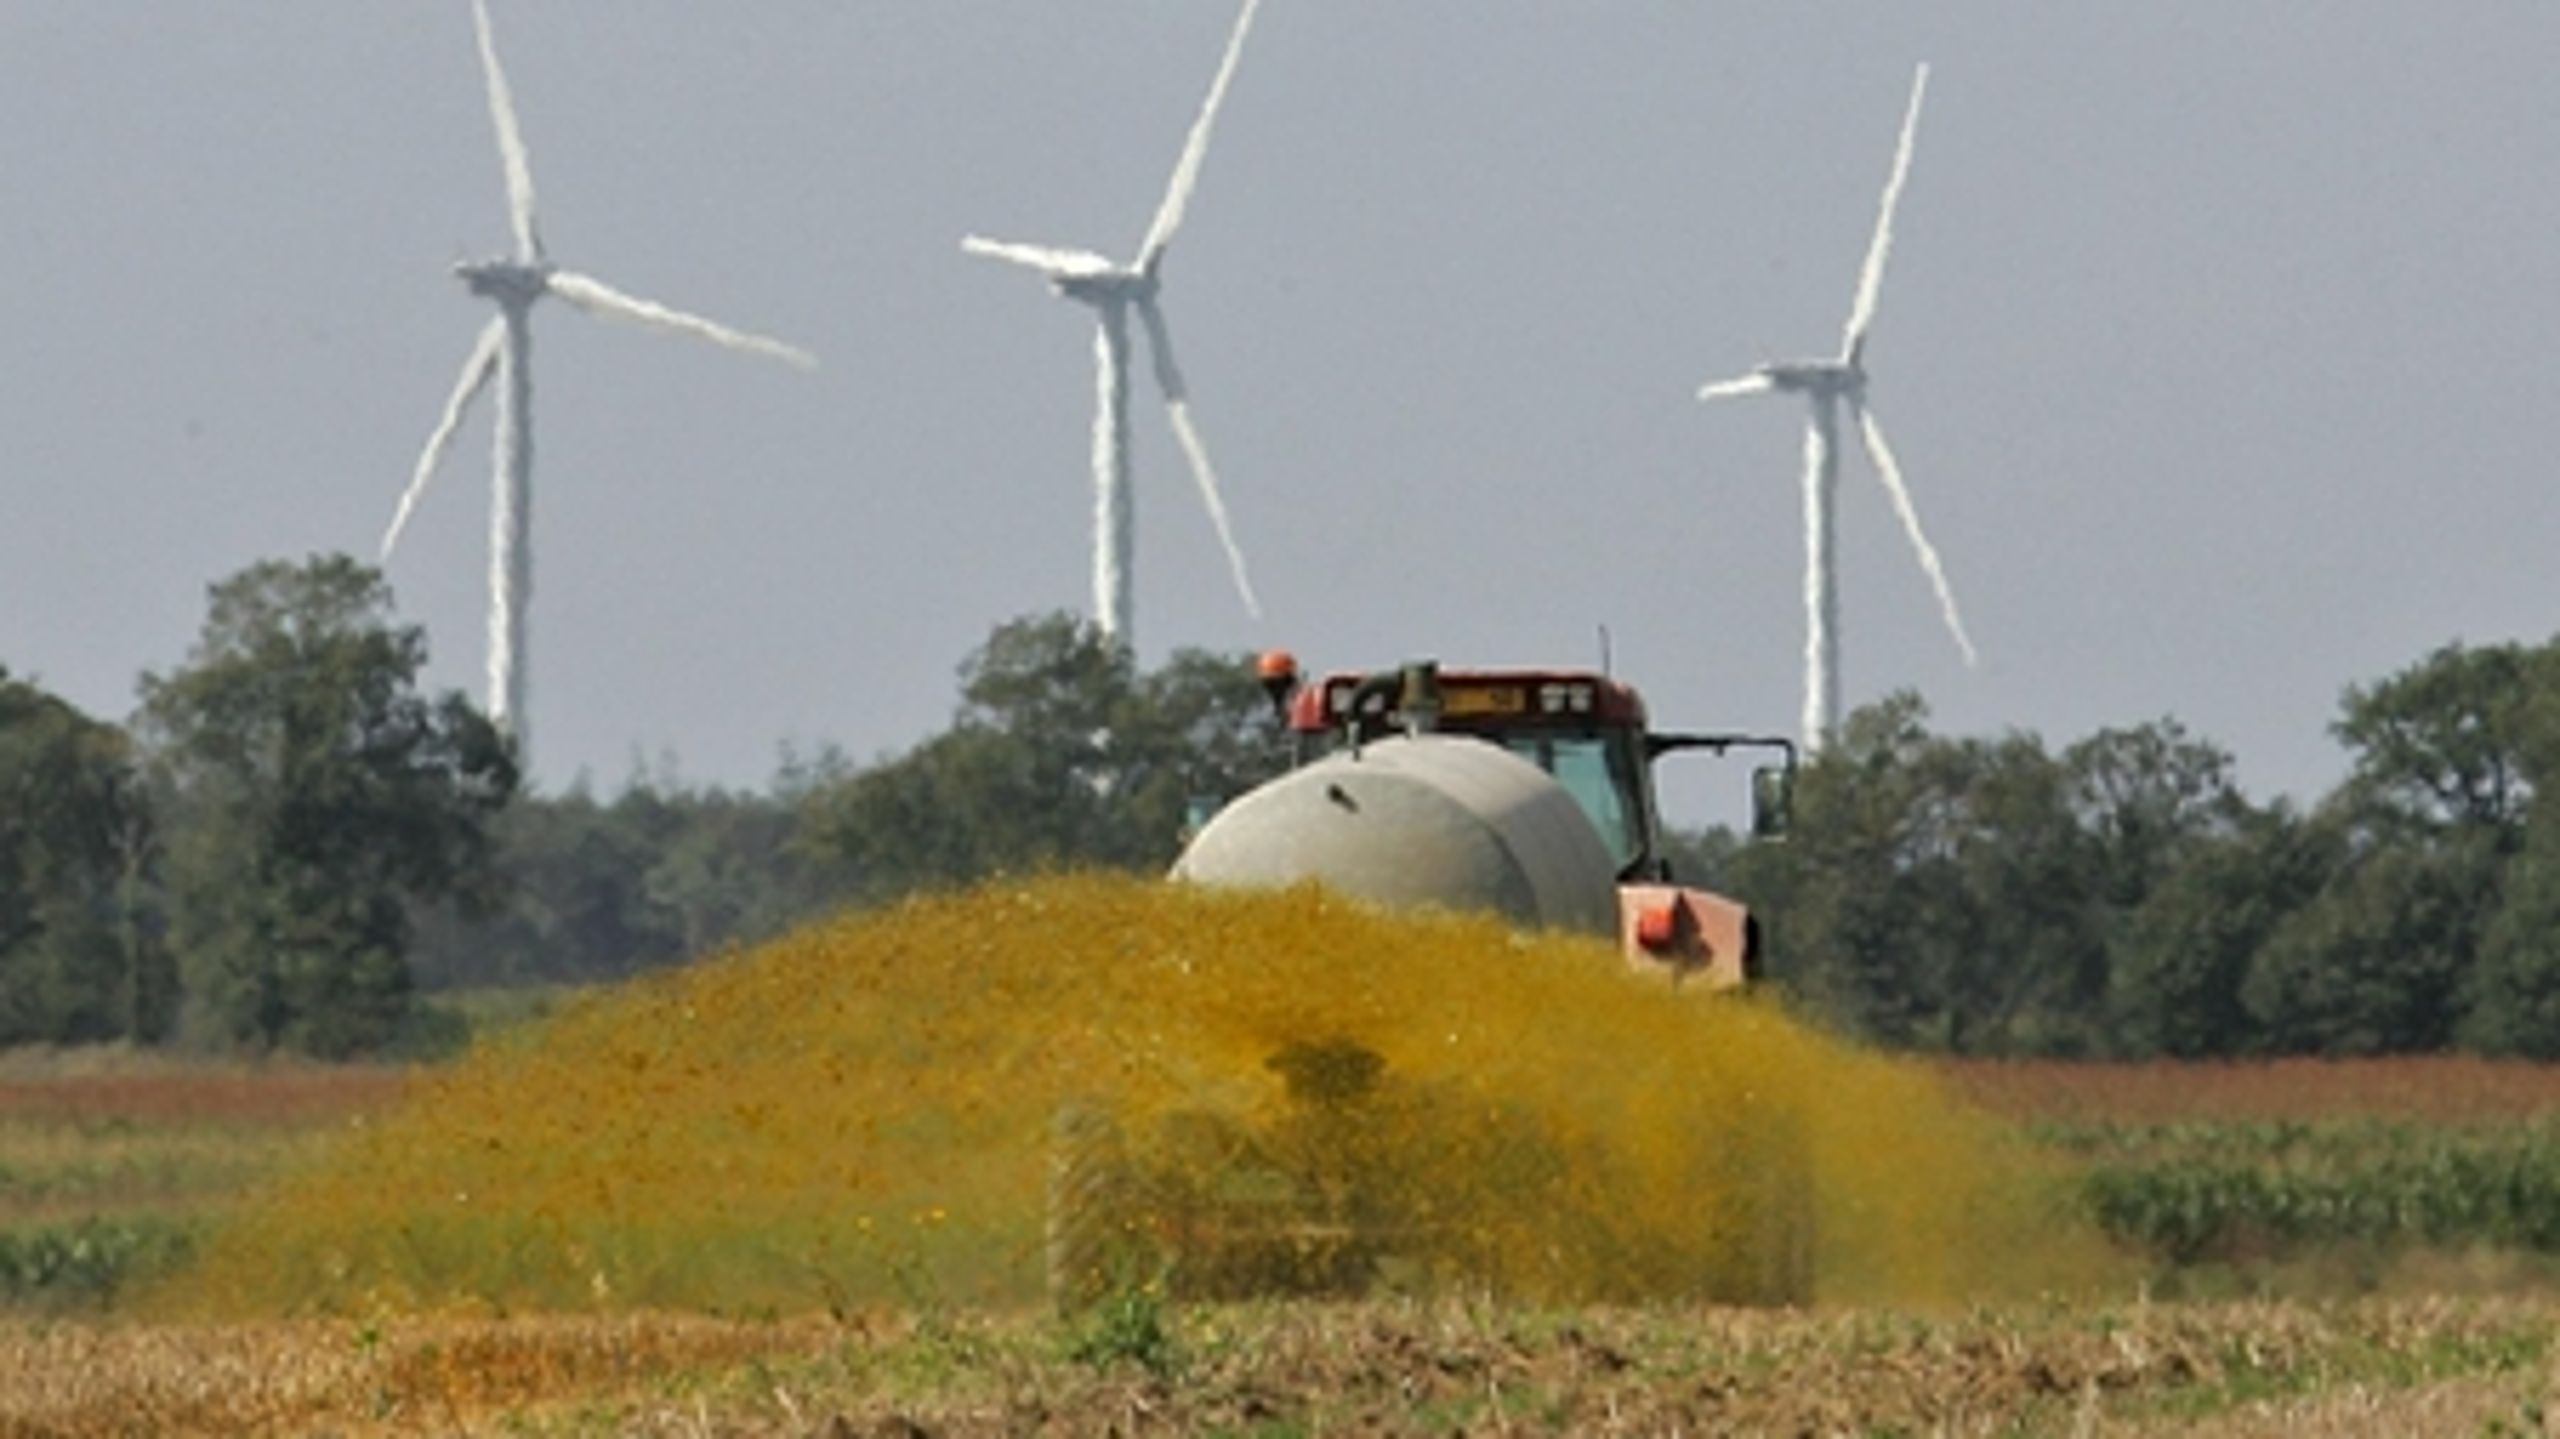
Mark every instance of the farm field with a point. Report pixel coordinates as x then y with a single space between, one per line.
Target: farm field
2306 1177
125 1143
694 1207
104 1144
112 1162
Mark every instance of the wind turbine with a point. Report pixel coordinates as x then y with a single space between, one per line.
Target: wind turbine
1829 384
1113 290
505 351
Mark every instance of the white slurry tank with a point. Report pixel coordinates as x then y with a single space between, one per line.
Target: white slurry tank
1423 820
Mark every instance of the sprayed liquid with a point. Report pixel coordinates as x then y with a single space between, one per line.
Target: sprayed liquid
870 1112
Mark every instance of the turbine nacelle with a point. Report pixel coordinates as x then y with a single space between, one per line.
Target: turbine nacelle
1813 377
1127 286
1077 274
507 281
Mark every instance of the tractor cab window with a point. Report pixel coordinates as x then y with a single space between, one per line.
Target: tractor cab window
1602 768
1599 773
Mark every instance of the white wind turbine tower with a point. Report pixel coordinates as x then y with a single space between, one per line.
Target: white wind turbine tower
1829 384
1113 289
505 351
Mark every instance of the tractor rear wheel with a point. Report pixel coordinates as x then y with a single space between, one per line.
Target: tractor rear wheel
1093 1245
1779 1213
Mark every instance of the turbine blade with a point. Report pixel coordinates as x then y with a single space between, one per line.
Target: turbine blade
596 297
1160 350
1056 264
1891 474
1177 406
1180 411
1862 311
475 377
1195 147
511 151
1740 385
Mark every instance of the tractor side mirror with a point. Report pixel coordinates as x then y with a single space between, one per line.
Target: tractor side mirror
1773 800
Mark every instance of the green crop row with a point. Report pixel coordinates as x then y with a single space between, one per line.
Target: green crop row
2188 1192
2324 1143
86 1264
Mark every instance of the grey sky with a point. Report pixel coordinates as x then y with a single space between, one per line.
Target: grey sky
2214 344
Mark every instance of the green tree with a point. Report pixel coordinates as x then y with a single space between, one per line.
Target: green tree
2022 963
2513 1004
2375 962
2447 745
312 795
77 960
2147 796
1061 754
590 890
2170 847
565 904
1847 896
2431 816
2186 950
2513 1000
1973 894
727 874
1978 895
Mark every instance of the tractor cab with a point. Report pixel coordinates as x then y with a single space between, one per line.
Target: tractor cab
1585 729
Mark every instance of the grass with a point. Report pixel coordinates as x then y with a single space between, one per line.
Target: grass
90 1263
114 1163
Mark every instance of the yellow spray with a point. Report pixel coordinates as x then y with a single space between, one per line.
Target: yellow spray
1298 1092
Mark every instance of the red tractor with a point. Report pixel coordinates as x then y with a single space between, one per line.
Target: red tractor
1528 792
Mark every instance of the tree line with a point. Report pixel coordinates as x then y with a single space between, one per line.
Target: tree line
2123 898
288 844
